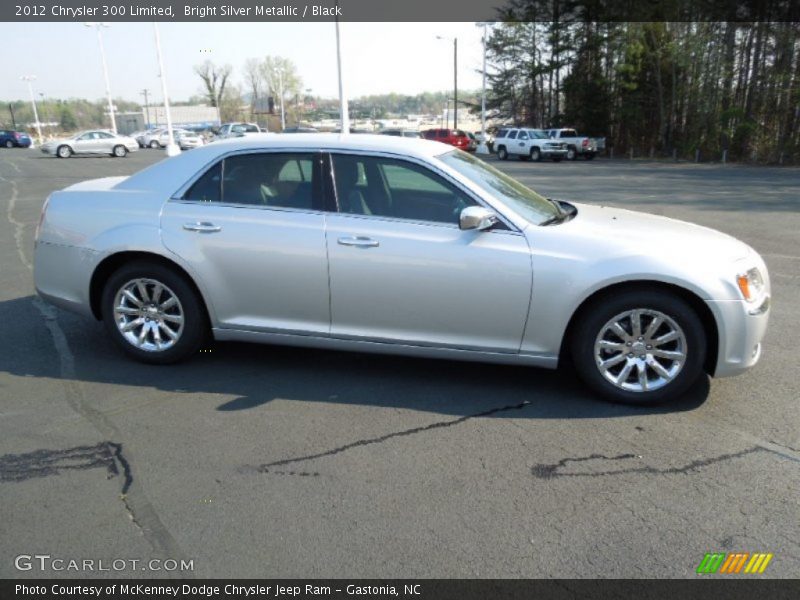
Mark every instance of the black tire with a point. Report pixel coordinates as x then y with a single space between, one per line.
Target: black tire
195 330
154 144
572 153
64 151
9 144
502 153
596 316
589 155
536 155
119 151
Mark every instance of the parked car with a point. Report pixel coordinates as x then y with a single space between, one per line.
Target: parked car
489 139
91 142
149 139
473 142
453 137
300 129
189 139
233 130
409 133
577 145
14 139
375 243
527 143
137 135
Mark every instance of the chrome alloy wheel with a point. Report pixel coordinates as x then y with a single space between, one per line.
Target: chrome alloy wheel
148 315
640 350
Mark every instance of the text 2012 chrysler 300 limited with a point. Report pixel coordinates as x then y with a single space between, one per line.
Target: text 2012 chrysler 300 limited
381 244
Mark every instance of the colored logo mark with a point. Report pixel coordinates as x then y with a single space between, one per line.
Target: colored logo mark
736 562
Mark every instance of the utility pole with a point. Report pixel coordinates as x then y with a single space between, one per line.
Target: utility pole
144 93
483 148
172 148
455 83
13 120
344 110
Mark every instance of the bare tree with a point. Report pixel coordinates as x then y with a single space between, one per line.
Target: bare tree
254 80
214 77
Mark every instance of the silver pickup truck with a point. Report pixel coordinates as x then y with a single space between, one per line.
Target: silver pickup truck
577 145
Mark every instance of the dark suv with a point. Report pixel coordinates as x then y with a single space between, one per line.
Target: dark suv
14 139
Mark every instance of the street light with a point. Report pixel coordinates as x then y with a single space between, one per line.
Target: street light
172 147
344 110
455 79
483 147
279 73
30 78
99 27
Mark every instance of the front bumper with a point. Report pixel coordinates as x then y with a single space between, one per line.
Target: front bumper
742 327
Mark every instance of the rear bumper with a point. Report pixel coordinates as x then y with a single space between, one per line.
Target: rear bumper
62 275
742 327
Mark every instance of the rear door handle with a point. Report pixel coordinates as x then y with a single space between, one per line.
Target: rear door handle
202 227
359 241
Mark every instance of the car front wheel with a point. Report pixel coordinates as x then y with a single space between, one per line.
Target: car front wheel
154 144
64 152
153 313
639 347
502 153
120 151
9 144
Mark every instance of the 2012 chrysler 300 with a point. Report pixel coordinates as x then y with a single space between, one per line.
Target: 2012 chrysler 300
381 244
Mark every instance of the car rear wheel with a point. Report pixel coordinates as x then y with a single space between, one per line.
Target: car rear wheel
64 152
502 153
536 154
639 347
120 151
153 313
572 154
9 144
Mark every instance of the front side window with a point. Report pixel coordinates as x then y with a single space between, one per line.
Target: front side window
275 180
512 135
523 135
388 187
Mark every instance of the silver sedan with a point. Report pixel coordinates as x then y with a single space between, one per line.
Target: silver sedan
92 142
395 245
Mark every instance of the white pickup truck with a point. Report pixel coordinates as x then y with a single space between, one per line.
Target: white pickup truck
527 143
577 145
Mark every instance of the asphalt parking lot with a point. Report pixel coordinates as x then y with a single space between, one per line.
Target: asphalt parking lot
257 461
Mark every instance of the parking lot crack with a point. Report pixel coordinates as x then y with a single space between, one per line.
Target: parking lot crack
554 470
265 468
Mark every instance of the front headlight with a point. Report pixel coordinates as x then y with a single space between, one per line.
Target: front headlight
751 284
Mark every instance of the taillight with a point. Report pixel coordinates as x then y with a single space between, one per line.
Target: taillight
585 142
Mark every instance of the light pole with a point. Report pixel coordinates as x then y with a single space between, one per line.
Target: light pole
172 147
455 79
99 27
344 110
279 73
483 147
30 78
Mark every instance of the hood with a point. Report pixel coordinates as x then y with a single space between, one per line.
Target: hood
642 233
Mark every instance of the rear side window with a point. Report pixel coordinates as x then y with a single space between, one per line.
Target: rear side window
512 135
502 133
271 180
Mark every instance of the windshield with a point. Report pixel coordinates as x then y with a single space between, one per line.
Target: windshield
508 190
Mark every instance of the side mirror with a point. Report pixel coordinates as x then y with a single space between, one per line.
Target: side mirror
477 217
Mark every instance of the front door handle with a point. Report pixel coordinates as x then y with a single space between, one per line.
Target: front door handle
202 227
359 241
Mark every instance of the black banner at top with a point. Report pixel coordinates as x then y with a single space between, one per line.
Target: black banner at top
399 10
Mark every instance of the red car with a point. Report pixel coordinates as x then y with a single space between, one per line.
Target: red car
454 137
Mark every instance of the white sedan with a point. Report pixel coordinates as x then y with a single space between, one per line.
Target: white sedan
92 142
387 244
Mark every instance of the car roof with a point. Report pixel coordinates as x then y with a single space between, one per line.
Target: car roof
176 171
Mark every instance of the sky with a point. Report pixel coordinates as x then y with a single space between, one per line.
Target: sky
378 58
